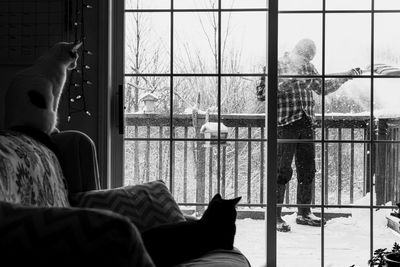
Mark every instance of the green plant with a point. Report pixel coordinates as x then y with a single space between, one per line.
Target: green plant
379 254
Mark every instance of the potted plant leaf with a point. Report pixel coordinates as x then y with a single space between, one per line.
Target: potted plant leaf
384 258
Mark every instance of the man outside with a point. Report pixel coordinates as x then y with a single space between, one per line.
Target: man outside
295 121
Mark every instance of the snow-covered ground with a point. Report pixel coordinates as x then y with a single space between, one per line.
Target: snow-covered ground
347 240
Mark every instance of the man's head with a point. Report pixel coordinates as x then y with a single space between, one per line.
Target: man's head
305 48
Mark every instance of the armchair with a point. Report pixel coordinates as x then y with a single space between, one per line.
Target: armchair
53 233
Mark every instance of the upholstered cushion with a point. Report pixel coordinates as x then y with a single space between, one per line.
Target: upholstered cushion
220 258
30 173
146 205
34 236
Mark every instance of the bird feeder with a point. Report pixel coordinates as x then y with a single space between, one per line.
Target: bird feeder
149 101
210 131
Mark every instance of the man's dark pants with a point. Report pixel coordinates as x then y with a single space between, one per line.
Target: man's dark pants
304 154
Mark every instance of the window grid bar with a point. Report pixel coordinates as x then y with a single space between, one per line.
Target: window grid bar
343 206
219 63
271 123
323 145
322 76
263 205
372 135
300 141
171 102
188 10
338 11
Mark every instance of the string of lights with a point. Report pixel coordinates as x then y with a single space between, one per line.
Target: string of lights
77 78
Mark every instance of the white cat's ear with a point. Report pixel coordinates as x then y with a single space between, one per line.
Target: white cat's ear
76 47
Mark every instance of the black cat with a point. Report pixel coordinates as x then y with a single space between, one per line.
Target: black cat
172 244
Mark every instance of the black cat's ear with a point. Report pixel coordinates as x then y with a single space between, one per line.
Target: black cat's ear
217 196
236 200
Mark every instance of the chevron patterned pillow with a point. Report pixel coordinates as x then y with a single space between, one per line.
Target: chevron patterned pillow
147 205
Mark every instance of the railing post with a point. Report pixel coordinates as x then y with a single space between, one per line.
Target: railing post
352 167
262 151
200 163
381 164
136 173
367 160
249 166
147 164
339 169
210 171
185 163
326 167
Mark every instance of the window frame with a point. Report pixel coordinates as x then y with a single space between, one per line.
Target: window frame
114 146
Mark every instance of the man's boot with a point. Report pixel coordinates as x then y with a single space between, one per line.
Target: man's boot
281 225
304 214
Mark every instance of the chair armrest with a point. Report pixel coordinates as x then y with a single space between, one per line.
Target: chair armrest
68 237
78 160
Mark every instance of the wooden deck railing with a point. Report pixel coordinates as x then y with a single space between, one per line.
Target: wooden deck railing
193 176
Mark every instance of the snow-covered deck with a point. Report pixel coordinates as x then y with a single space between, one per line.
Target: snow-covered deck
347 240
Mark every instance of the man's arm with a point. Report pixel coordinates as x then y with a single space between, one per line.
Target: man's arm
333 84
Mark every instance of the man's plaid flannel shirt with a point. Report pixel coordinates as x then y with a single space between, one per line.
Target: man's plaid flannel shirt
295 95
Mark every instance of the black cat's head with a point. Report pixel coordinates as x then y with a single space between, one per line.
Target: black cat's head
221 211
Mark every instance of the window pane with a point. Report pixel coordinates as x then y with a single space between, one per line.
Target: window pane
386 95
299 108
296 163
345 172
300 5
250 239
187 182
193 98
386 231
295 27
243 41
241 112
387 180
147 42
301 247
147 106
387 4
196 4
348 4
387 43
146 161
347 47
244 4
196 42
347 109
145 4
242 170
347 239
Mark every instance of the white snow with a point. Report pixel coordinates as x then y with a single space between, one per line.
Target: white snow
386 95
347 240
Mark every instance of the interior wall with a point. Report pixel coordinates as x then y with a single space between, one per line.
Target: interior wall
79 121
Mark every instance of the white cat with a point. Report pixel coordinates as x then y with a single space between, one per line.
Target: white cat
34 93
